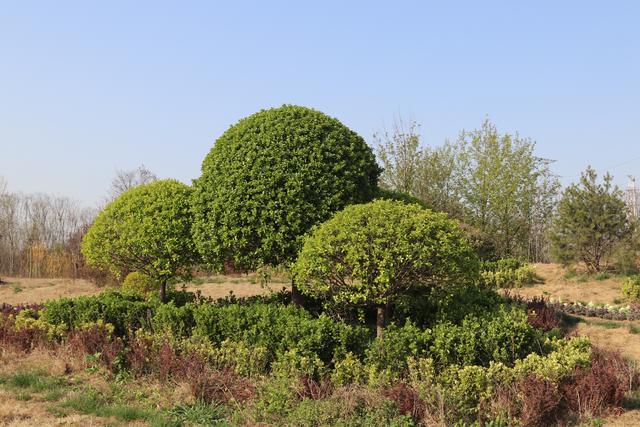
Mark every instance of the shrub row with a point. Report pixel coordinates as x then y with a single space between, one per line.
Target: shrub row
531 390
289 334
507 273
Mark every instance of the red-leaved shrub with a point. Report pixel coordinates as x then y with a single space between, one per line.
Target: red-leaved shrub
315 390
407 400
541 315
532 400
599 388
23 339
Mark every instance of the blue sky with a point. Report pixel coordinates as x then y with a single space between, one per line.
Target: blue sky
87 88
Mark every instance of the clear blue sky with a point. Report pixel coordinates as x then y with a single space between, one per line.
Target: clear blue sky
88 88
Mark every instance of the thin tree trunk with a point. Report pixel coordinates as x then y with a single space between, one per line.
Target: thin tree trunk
296 297
163 291
380 320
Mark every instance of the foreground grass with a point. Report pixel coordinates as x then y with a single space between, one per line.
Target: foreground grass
63 396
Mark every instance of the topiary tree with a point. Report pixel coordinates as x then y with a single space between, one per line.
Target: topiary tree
370 254
270 178
146 229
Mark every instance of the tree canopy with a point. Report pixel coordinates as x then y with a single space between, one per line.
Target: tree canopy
145 229
592 219
369 254
491 181
270 178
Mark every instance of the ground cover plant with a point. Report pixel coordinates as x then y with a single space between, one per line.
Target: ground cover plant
265 360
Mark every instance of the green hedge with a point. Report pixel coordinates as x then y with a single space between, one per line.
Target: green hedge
123 311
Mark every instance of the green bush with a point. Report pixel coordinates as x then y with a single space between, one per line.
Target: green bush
272 176
123 311
174 320
501 336
372 254
389 356
399 196
631 289
464 388
361 408
140 284
280 329
507 273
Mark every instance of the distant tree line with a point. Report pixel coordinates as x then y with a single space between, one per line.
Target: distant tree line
40 234
508 196
492 182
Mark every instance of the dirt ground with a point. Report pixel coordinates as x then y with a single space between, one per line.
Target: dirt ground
574 289
23 290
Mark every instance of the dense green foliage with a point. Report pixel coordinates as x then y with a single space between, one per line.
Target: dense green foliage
631 289
591 221
124 311
139 283
146 229
286 333
370 254
270 178
400 197
260 360
507 273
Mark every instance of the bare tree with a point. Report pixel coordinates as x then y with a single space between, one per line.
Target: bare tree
35 231
127 179
399 152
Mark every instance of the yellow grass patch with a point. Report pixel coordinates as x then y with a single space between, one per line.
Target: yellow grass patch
570 289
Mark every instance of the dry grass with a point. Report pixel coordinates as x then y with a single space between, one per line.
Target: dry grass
619 339
19 290
19 413
34 412
574 289
626 419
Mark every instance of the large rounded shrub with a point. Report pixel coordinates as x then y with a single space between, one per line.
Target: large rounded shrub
370 254
270 178
146 229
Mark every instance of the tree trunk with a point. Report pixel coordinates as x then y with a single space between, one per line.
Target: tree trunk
380 320
163 292
296 297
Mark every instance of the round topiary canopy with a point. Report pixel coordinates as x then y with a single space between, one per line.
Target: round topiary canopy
270 178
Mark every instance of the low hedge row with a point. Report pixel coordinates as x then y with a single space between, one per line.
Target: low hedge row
286 331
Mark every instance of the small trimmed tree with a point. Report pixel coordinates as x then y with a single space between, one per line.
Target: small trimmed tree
270 178
145 229
370 254
591 221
